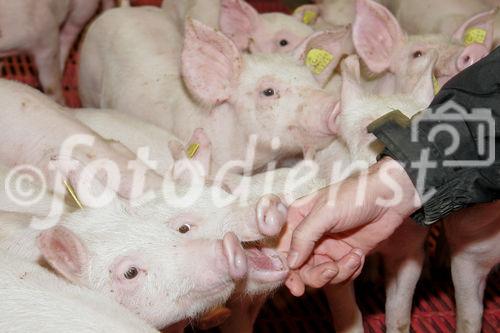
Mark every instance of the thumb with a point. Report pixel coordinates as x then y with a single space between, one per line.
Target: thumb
307 233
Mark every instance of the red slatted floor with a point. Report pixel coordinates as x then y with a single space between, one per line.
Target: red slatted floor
433 304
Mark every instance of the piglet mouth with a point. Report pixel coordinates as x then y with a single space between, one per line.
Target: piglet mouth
266 265
442 79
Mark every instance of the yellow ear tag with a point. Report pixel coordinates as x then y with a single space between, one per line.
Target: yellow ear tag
318 60
309 17
192 150
435 83
72 194
474 35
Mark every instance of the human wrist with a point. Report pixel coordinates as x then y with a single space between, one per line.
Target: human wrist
394 186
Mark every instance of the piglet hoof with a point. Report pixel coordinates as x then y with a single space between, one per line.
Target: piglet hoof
235 255
271 215
213 318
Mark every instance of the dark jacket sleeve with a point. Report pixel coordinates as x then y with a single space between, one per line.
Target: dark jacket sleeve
451 150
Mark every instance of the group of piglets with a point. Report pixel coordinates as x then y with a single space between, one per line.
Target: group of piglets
213 97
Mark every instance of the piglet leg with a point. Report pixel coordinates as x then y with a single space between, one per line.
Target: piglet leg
46 56
345 312
81 13
469 279
402 275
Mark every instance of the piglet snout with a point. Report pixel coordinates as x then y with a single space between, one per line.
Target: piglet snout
235 255
471 54
271 215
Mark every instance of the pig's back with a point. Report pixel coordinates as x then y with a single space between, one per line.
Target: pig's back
25 123
132 133
130 61
430 16
205 11
22 22
341 12
32 126
34 300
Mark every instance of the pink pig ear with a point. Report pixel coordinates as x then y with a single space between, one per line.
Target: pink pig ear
478 29
64 251
376 34
322 52
307 14
211 63
239 21
197 155
352 89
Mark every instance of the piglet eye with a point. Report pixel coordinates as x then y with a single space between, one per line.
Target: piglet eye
417 54
131 273
283 42
268 92
184 228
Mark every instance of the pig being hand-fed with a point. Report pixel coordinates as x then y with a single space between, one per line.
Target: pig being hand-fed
147 266
92 242
238 99
358 109
34 299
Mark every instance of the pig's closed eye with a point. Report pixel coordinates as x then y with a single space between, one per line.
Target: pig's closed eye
283 42
131 273
269 92
183 229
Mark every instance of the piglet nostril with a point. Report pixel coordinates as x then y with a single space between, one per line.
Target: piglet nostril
235 255
464 61
271 215
472 54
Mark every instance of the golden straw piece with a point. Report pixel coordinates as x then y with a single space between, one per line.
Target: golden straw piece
192 150
72 193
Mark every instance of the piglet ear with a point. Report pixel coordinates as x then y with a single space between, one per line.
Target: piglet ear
376 35
322 52
307 14
199 148
239 21
64 251
211 63
196 156
479 29
352 89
